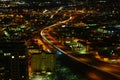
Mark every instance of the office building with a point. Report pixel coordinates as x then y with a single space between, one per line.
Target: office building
13 61
43 62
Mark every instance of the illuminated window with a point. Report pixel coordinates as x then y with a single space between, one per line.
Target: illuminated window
23 76
13 57
2 68
7 54
22 57
1 51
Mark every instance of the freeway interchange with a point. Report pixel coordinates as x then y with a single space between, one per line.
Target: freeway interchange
88 59
36 23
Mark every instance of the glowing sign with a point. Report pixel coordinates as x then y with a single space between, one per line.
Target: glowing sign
59 53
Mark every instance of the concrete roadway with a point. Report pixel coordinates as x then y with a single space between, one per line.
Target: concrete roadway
111 71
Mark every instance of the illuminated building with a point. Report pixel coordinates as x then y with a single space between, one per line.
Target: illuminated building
43 62
13 61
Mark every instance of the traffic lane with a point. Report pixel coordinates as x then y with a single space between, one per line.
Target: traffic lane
90 59
91 72
54 40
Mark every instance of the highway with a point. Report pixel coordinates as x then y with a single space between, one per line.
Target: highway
97 70
18 23
62 72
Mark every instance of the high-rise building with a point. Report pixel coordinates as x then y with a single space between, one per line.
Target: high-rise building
13 61
43 62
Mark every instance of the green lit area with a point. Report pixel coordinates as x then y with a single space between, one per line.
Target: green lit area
91 24
102 30
7 54
105 48
117 26
77 47
43 68
62 72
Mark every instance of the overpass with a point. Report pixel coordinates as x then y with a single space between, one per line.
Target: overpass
86 62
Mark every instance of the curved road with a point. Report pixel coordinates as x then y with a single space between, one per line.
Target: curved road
112 71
